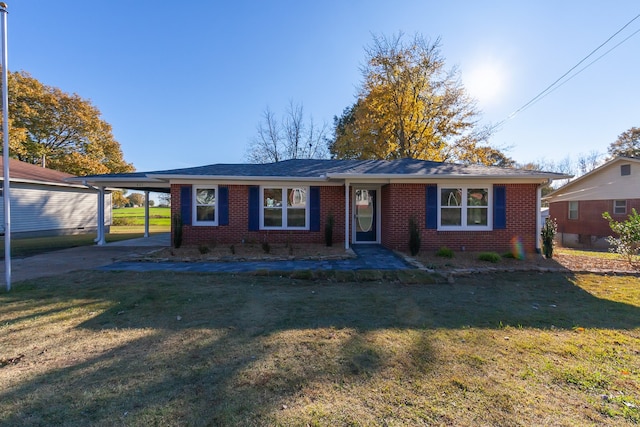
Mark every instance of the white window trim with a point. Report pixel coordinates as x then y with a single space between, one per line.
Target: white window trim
464 226
625 207
284 208
194 206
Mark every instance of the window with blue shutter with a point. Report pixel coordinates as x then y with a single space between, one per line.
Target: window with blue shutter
499 207
432 207
314 209
185 204
223 206
254 208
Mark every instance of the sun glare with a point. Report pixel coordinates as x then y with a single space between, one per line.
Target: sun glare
485 82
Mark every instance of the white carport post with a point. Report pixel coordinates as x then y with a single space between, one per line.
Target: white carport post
146 213
538 218
100 240
346 215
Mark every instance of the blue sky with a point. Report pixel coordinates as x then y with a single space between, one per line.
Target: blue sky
185 83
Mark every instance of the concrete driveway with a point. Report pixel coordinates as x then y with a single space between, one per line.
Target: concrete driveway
82 258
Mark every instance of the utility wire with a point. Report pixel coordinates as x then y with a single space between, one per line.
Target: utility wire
555 85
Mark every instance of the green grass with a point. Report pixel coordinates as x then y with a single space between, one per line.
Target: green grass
158 217
322 348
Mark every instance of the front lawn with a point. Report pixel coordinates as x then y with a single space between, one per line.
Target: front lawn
96 348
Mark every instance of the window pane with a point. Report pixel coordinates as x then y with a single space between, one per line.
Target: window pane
620 207
273 217
573 210
451 197
296 217
296 197
477 197
477 216
272 197
205 196
206 213
451 216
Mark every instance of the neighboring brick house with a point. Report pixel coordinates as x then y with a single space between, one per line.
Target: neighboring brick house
43 203
578 206
464 207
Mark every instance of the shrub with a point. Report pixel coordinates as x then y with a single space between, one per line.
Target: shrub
266 247
548 234
627 243
232 249
177 230
328 231
414 236
489 256
445 252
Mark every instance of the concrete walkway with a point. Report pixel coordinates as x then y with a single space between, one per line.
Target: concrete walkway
369 257
82 258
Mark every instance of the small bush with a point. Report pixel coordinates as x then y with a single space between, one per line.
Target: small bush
203 249
232 249
508 255
548 234
414 237
489 256
328 231
266 247
445 252
177 231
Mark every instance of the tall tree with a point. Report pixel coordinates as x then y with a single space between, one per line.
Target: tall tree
59 130
627 144
410 105
292 137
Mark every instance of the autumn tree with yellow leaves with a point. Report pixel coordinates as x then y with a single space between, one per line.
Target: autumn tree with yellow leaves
411 106
58 130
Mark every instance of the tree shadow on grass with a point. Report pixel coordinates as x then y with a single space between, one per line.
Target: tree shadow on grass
229 349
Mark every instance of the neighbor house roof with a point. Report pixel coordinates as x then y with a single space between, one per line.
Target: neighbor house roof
598 184
326 170
26 172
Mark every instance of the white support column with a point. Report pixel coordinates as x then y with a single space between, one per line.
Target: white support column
538 217
146 213
347 215
100 239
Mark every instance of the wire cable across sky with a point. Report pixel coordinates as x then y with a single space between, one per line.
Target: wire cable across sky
559 81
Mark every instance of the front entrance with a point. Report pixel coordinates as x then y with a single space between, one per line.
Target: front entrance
365 215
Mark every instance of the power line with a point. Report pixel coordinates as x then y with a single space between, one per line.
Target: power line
553 86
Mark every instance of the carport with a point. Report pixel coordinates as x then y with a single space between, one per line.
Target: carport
136 181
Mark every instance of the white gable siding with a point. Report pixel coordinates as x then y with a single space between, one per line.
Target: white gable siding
42 208
606 184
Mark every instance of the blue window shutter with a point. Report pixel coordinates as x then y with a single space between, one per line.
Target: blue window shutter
314 208
223 206
432 207
185 204
254 208
499 207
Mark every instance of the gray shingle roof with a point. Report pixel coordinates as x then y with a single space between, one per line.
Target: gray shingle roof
310 168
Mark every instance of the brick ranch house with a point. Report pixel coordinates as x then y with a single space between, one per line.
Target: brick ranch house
463 207
577 206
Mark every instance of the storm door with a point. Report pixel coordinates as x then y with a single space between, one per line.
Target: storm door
365 215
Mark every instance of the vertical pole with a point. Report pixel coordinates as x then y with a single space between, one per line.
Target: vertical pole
538 218
101 239
146 213
6 185
346 215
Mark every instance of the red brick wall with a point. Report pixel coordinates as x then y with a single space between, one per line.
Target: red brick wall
401 201
398 203
331 202
590 221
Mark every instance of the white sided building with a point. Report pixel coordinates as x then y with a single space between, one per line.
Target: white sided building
44 204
